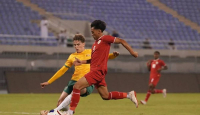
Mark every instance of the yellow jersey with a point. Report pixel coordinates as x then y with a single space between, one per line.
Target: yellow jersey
80 70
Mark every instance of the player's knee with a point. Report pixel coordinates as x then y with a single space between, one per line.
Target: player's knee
76 86
152 91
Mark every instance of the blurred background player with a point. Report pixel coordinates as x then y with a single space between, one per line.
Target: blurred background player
44 28
155 67
80 71
98 70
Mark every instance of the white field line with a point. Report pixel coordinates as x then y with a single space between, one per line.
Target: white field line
21 113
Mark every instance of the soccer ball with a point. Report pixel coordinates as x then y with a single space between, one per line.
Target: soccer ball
52 112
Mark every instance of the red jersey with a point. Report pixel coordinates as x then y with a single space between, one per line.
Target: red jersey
155 65
100 52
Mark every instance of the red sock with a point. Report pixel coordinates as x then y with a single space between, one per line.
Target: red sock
117 95
75 99
158 91
148 95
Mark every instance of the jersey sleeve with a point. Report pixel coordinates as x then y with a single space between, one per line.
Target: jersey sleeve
109 39
69 62
111 56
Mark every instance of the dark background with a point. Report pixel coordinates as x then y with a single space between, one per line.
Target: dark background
29 82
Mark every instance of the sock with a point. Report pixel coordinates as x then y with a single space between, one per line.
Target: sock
70 112
117 95
75 99
65 103
148 95
128 96
158 91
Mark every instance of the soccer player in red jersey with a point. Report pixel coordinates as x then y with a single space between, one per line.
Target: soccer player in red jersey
98 67
155 67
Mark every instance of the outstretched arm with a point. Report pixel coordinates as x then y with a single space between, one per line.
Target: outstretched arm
57 75
126 45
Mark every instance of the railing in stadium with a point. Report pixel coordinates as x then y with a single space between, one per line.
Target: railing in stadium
136 43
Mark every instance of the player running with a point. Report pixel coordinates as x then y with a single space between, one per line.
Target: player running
155 67
98 67
80 71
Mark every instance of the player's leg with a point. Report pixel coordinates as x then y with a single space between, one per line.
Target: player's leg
84 92
153 90
163 91
103 91
62 97
152 84
64 104
149 92
87 91
65 97
105 95
80 84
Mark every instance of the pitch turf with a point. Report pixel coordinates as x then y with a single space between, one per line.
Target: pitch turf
174 104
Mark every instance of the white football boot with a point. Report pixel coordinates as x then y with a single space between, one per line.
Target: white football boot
132 96
143 102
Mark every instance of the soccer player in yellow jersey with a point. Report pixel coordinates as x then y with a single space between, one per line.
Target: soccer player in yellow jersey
82 54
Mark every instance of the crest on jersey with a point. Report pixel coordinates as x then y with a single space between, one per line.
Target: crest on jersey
99 42
156 62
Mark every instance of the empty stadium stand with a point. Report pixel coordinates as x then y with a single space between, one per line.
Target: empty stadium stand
136 19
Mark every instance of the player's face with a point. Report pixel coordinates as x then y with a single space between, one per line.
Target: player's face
156 55
44 112
96 33
79 46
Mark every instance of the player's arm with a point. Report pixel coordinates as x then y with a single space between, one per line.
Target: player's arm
126 45
163 67
113 55
149 65
78 62
59 73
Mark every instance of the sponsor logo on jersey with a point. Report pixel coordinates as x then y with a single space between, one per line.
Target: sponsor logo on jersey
87 55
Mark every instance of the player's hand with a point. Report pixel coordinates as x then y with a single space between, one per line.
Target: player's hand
77 62
150 60
134 54
159 70
115 53
44 84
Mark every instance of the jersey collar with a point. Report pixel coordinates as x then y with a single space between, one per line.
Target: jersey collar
100 37
81 52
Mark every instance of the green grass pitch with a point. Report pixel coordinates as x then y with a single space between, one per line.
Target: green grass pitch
173 104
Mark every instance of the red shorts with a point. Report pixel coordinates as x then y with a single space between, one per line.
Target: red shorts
96 78
154 80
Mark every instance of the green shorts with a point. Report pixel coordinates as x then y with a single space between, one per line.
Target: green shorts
68 89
